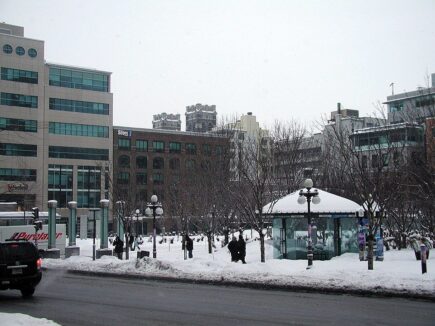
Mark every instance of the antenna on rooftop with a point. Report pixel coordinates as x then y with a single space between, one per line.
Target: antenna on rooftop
392 88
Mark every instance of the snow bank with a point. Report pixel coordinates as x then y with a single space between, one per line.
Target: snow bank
400 272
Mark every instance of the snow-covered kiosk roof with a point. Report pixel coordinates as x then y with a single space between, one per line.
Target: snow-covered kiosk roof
329 204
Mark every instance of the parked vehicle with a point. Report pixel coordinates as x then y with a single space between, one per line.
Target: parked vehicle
20 266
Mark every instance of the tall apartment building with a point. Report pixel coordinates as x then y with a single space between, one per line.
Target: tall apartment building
200 118
167 121
243 133
55 128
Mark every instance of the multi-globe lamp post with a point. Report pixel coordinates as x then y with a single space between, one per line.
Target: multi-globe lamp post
308 195
154 208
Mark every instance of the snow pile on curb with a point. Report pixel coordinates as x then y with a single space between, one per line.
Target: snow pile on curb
399 273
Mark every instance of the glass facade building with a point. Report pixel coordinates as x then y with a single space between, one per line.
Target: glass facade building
332 235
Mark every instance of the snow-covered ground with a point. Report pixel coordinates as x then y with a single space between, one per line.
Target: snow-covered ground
24 320
400 272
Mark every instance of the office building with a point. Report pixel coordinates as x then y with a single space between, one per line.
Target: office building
55 126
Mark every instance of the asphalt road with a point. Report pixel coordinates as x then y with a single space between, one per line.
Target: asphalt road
84 300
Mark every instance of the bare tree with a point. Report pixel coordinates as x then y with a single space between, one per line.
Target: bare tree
290 149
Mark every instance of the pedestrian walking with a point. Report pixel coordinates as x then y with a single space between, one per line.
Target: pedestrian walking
189 246
119 247
131 242
241 248
233 248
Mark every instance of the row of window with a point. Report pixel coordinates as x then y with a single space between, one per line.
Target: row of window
19 50
9 149
79 153
158 163
78 106
377 161
17 75
85 199
174 147
17 174
393 136
26 101
18 125
428 101
123 178
72 129
77 79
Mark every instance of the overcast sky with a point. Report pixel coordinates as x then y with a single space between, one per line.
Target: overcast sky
280 60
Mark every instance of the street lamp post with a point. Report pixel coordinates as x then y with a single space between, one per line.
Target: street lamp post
94 210
137 221
154 208
308 195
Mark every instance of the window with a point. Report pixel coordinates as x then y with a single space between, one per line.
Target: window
174 147
79 79
219 150
158 163
427 101
78 106
20 50
72 129
190 164
124 161
174 164
123 143
123 178
8 149
396 107
141 145
17 174
32 53
141 178
60 183
433 132
96 154
158 146
141 162
206 149
88 186
17 75
191 149
7 49
26 101
18 125
158 179
205 165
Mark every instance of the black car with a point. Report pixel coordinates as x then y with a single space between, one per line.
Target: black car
20 267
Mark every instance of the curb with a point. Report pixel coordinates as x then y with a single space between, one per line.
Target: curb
377 292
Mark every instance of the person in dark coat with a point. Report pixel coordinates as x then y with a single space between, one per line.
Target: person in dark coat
131 242
241 248
189 245
233 248
119 246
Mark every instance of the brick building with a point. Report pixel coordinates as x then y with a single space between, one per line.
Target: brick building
146 161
